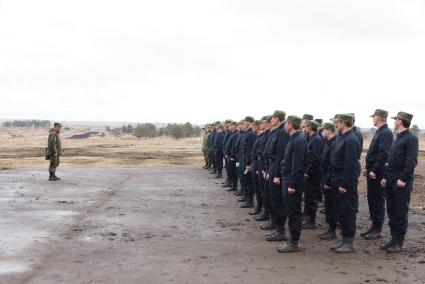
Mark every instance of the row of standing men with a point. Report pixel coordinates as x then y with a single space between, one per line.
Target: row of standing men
292 165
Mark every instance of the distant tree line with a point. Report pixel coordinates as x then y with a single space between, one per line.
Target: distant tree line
149 130
34 123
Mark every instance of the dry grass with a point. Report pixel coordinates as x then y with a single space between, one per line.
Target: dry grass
21 148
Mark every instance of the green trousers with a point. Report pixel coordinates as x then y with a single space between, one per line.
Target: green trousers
54 163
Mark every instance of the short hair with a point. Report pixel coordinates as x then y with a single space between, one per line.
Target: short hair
405 123
57 124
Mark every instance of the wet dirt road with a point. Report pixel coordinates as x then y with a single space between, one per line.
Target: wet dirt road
167 225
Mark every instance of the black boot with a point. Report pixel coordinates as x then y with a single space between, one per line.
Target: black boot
309 225
397 244
270 225
51 176
277 235
242 199
388 244
375 234
248 204
328 235
263 216
219 175
371 229
347 245
255 211
233 188
290 246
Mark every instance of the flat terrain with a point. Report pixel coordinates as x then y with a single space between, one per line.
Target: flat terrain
24 148
167 225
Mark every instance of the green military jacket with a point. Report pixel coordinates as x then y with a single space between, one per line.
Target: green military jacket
54 145
206 141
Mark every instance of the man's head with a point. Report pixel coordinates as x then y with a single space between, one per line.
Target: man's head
292 123
248 121
311 127
57 127
278 117
402 120
344 122
257 126
328 130
379 117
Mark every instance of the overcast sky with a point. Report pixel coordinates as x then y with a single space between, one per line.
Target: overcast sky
199 61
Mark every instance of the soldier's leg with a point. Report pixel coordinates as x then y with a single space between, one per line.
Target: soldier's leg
219 163
376 203
348 218
398 210
278 212
293 208
312 186
330 211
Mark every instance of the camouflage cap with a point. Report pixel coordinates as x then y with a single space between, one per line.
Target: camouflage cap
319 120
346 117
235 123
333 119
264 118
216 123
308 116
279 114
227 121
294 120
249 119
403 115
329 126
221 126
380 113
313 124
352 114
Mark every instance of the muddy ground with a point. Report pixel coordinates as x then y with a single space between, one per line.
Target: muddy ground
168 225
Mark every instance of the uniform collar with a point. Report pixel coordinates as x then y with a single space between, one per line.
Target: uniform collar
402 133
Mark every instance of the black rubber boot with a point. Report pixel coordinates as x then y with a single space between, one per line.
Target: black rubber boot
248 204
242 199
55 177
277 235
255 211
375 234
51 176
290 246
328 235
271 225
347 245
397 245
309 225
263 216
388 244
371 229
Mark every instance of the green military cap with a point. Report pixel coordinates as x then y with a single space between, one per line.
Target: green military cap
403 115
280 115
227 121
216 123
242 121
334 118
329 126
221 126
319 120
308 116
249 119
269 118
346 117
235 123
258 122
294 120
313 124
264 118
352 114
380 112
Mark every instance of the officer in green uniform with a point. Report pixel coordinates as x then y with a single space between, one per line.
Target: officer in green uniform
54 150
205 145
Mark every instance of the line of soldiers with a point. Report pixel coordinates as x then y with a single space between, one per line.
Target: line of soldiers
292 165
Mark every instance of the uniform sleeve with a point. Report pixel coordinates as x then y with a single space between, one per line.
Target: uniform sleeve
411 158
297 168
384 146
250 140
314 156
282 142
52 144
350 163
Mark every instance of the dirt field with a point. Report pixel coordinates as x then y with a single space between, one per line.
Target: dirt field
106 222
21 148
